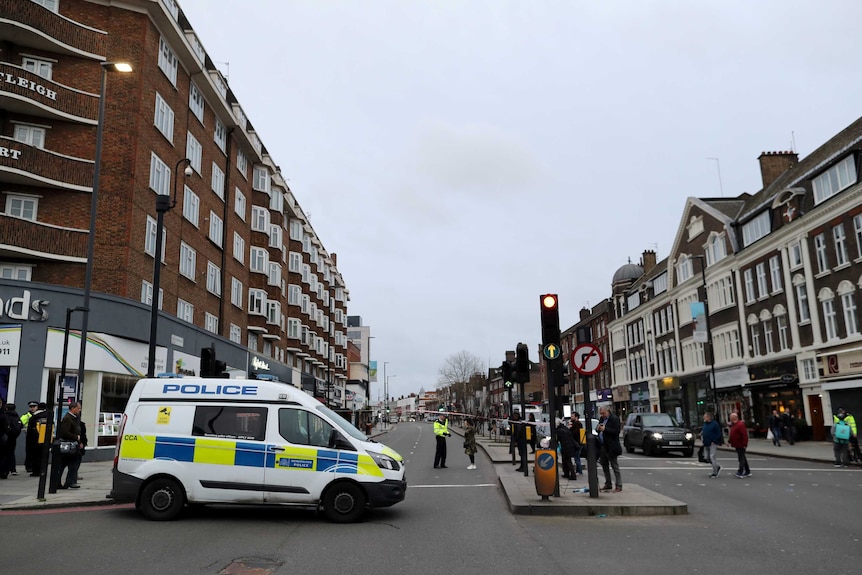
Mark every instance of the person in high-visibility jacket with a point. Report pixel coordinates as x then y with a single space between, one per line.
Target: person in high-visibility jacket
441 432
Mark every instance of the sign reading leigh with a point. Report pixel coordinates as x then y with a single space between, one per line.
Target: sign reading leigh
29 85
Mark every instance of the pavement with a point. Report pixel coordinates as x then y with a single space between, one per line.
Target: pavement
19 492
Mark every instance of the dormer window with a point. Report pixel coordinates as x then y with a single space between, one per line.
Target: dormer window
834 180
756 228
684 269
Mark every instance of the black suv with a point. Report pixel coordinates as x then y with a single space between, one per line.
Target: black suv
656 432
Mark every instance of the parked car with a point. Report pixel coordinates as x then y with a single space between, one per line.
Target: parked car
656 432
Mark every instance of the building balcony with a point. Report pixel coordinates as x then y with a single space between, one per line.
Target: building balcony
36 240
28 165
32 25
24 92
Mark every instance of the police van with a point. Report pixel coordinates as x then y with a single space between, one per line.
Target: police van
198 441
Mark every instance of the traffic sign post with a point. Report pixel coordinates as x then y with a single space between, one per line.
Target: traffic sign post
587 359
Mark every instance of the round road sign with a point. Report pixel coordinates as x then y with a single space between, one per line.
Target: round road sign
587 359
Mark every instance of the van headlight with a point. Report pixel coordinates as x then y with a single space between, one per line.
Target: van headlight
384 461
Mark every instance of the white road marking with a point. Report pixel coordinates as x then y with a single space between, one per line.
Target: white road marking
462 485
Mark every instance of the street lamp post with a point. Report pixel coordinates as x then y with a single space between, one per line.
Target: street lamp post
708 337
163 204
385 392
94 202
386 397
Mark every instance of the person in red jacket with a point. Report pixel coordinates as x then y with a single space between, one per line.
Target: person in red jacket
739 441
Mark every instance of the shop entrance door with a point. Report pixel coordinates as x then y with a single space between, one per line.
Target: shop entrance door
815 407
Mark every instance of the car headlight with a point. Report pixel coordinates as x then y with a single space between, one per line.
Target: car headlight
689 436
657 435
384 461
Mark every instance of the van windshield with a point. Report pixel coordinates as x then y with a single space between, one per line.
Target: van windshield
342 423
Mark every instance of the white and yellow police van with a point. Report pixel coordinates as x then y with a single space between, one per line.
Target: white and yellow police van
197 441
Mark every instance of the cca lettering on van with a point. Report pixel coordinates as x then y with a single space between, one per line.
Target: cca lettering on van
208 389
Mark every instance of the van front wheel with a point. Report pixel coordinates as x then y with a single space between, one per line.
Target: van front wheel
162 500
344 503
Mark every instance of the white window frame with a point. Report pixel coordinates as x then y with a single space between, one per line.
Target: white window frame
820 252
191 206
168 62
185 310
163 118
210 322
196 102
242 164
38 66
834 180
830 320
9 271
762 284
239 204
235 333
775 274
238 247
236 291
22 207
256 302
261 180
273 276
188 261
296 230
213 279
258 260
260 219
160 175
30 135
783 340
848 306
220 135
748 276
194 152
756 228
802 303
840 240
275 236
795 255
216 232
217 181
147 294
294 262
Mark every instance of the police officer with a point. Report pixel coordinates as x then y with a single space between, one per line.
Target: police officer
441 432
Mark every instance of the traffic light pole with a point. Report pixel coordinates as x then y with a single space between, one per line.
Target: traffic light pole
592 448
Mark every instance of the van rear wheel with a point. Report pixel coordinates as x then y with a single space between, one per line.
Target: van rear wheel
162 500
344 503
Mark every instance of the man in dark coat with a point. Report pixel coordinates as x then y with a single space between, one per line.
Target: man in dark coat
519 439
567 449
609 440
70 430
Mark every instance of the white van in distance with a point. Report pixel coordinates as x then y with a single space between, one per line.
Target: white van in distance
186 441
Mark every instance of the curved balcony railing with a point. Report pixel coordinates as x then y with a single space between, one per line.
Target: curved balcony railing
25 164
24 92
30 24
47 241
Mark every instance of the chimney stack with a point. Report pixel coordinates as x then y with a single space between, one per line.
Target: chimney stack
773 164
584 313
648 260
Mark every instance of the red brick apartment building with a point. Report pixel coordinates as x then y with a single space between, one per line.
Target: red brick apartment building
243 269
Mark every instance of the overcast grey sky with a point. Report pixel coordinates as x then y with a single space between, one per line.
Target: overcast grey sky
463 157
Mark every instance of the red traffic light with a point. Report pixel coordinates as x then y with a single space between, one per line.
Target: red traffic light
549 301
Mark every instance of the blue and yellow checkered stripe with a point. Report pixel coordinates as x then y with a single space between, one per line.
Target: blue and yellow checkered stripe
247 454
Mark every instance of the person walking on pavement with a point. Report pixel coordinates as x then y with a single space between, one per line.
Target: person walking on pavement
519 439
470 442
775 427
70 430
567 449
712 438
788 426
738 439
610 448
843 432
441 432
12 434
579 435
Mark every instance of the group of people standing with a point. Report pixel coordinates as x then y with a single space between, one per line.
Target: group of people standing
13 425
782 426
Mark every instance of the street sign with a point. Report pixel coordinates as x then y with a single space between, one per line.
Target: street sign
587 359
551 351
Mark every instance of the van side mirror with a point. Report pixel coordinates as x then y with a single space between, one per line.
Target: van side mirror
337 441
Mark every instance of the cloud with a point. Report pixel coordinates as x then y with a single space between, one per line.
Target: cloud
479 160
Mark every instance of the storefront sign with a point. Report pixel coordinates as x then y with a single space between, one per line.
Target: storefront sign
257 363
29 85
23 308
10 344
842 363
768 371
